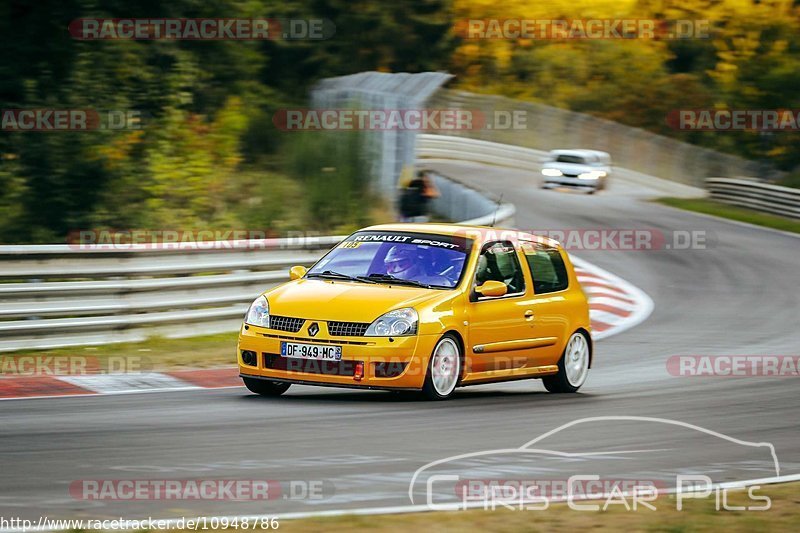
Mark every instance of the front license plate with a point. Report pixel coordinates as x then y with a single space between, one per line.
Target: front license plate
311 351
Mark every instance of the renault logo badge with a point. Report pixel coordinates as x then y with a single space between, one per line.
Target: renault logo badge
313 329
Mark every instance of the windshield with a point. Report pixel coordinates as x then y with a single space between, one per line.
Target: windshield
435 261
563 158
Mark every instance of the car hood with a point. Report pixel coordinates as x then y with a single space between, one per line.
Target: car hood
349 301
569 168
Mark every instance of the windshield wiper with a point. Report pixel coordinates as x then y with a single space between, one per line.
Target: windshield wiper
338 275
398 281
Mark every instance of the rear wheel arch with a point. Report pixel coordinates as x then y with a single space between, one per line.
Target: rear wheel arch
576 358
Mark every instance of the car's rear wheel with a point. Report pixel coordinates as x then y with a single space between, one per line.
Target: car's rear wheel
265 387
573 367
444 369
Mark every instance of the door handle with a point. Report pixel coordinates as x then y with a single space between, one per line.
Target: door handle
529 315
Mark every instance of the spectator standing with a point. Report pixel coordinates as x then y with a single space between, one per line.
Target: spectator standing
415 198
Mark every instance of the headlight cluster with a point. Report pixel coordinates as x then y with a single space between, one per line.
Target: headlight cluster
594 174
551 172
394 324
258 314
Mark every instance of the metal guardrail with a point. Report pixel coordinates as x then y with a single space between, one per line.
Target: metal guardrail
59 295
64 295
757 195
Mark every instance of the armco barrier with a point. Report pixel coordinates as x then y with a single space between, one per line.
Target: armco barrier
62 295
756 195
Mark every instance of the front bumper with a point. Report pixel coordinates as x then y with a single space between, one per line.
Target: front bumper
572 181
403 360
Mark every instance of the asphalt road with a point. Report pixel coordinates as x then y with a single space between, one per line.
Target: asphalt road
360 449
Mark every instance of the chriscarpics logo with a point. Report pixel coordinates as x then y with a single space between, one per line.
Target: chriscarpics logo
569 464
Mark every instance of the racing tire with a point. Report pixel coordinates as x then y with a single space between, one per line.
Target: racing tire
573 367
444 369
265 387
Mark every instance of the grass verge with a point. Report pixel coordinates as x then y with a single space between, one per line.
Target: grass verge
697 515
155 353
712 207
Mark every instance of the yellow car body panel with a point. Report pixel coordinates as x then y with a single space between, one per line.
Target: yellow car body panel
510 337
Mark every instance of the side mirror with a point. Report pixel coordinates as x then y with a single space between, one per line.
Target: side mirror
492 288
297 272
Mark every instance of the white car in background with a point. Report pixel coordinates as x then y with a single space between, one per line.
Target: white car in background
586 169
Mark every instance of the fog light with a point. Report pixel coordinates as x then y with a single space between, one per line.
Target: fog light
358 375
249 358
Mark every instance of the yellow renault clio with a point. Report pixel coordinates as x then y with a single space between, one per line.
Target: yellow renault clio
427 307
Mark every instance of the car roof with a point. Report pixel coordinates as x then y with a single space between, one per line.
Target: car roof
580 152
427 227
488 232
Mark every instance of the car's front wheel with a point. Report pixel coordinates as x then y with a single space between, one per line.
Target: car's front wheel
265 387
573 367
444 369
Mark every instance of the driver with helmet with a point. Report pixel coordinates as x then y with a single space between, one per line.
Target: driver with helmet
405 262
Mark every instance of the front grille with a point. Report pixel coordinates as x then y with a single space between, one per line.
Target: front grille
309 366
286 323
315 340
347 329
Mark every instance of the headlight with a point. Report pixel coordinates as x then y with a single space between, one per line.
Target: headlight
551 172
593 175
258 314
394 324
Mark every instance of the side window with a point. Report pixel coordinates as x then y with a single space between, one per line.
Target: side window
547 268
498 261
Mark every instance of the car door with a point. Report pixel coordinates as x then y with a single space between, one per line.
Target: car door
550 302
498 326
